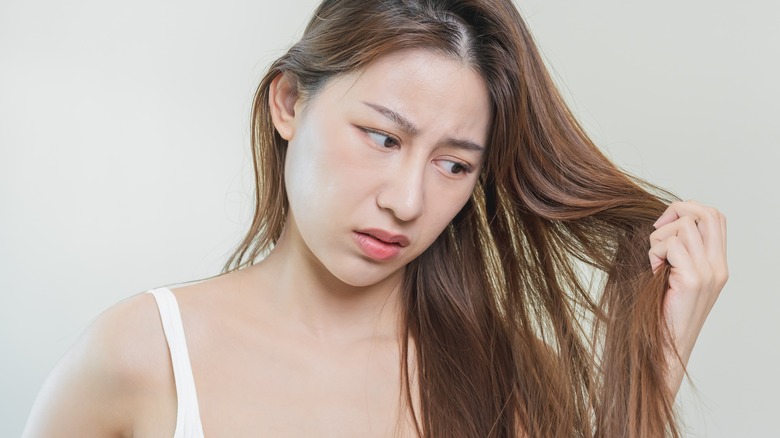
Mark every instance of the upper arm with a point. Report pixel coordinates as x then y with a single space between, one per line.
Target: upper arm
95 389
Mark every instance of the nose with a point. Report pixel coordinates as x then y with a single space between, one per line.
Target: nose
402 194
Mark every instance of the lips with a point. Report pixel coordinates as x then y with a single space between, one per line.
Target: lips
380 244
386 236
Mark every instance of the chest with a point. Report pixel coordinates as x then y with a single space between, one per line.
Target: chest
281 387
290 391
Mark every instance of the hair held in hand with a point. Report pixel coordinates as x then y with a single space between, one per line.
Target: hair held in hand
510 337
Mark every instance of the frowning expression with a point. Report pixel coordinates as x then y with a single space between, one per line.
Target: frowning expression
379 162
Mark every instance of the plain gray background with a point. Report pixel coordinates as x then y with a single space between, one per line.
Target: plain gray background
124 160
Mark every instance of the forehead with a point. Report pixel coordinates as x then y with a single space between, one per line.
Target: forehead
434 91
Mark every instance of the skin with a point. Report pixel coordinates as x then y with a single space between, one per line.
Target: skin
690 237
306 342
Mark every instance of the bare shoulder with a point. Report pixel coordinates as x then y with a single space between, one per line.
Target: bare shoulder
100 384
127 342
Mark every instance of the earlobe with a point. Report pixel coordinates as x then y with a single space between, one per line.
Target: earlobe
282 98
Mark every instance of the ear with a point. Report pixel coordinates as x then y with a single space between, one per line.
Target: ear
282 100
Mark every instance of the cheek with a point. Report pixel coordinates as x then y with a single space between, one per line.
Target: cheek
326 170
300 174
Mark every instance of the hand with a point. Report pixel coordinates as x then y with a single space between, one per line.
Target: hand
690 237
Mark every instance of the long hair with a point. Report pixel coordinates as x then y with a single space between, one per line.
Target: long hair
511 337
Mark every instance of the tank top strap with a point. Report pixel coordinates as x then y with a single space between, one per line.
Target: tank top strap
188 424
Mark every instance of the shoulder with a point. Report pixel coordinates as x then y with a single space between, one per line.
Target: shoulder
126 343
118 361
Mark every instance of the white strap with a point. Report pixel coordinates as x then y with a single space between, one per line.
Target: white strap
188 423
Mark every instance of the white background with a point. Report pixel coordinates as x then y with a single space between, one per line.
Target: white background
124 159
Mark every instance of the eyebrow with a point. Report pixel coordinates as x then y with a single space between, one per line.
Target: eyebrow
408 127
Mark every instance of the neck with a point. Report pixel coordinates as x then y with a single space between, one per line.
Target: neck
305 294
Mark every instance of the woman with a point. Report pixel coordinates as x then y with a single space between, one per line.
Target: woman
425 206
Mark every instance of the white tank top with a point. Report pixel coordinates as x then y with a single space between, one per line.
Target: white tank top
188 423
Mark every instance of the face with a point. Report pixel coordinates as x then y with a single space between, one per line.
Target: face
380 161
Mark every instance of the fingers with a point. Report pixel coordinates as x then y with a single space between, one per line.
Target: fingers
683 230
700 230
674 251
709 221
669 216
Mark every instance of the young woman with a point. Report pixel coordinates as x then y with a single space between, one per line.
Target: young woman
427 209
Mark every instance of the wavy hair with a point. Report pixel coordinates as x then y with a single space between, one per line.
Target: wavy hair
511 338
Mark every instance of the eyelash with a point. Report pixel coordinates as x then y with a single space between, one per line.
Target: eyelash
466 168
371 132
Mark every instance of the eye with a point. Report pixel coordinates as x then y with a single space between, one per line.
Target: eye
455 167
381 139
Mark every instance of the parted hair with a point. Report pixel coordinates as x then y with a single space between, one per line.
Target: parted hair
535 313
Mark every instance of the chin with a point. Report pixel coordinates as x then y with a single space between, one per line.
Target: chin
364 274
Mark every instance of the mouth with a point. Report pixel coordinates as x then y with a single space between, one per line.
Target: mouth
386 236
380 245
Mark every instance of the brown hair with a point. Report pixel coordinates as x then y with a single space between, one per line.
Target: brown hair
509 337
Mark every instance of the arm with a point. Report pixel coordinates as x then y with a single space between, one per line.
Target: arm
691 238
96 388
